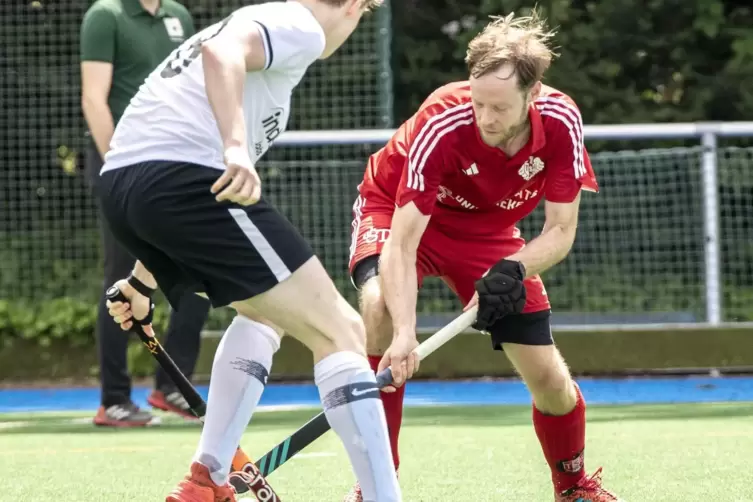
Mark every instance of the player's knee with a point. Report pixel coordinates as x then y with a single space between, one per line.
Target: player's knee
356 342
345 331
553 389
260 329
349 334
247 313
376 317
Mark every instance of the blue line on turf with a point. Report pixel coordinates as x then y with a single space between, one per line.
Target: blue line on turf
431 393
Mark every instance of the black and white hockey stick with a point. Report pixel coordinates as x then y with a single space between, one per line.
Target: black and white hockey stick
317 426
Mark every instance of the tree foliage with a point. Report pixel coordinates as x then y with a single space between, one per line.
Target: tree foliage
623 61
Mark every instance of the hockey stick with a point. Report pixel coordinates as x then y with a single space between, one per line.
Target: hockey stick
253 480
317 426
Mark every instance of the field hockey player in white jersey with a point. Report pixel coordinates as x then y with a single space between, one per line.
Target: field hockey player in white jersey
180 191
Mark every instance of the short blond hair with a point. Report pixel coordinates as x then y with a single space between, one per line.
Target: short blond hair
367 4
522 42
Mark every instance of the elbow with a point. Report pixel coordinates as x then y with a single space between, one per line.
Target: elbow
567 236
86 102
214 59
402 246
210 59
398 250
208 54
564 233
91 102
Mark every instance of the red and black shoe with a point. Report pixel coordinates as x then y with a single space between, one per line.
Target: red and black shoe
588 490
171 401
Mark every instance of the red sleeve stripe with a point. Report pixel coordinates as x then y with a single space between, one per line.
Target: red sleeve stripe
426 140
570 116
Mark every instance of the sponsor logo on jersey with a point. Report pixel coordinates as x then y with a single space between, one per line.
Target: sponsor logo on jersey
272 126
445 193
174 29
518 199
531 168
472 171
373 235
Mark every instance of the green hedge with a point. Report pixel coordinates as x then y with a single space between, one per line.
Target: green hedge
73 319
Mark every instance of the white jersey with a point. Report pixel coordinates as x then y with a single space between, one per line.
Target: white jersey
170 117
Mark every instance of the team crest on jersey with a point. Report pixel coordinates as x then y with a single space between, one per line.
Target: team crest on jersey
174 29
531 168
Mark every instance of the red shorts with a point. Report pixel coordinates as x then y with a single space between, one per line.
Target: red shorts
458 261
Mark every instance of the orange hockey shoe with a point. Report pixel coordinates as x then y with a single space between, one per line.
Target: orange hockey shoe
588 490
199 487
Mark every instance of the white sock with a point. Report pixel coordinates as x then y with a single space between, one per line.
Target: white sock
347 387
239 373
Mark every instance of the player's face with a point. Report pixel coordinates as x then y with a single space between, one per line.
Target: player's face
500 106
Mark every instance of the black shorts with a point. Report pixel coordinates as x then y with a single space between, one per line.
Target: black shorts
533 328
165 215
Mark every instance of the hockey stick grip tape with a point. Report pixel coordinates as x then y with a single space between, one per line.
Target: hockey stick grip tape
457 326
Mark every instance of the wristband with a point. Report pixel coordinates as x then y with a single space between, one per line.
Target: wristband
140 286
510 268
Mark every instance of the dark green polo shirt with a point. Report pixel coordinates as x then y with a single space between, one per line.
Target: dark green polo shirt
123 33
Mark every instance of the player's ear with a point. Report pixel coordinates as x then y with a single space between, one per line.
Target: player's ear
354 7
534 93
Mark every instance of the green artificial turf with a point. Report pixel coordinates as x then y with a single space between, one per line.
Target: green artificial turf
682 453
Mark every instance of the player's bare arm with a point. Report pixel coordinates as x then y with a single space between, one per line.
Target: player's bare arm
501 291
142 274
400 287
555 241
96 79
235 51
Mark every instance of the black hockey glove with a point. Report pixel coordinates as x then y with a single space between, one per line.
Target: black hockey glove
500 292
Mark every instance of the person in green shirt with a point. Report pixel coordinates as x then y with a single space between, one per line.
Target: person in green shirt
122 41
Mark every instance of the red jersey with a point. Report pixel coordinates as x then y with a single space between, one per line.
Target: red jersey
438 160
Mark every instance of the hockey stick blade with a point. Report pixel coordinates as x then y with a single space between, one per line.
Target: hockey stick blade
251 480
317 426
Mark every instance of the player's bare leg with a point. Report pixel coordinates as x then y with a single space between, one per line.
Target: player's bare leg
240 369
378 323
559 417
308 306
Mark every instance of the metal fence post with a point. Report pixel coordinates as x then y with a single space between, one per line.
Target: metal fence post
384 50
711 228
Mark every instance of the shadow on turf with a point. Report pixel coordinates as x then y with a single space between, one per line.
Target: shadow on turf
491 416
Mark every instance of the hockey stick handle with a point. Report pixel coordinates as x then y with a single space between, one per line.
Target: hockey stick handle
318 426
190 394
444 335
253 479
